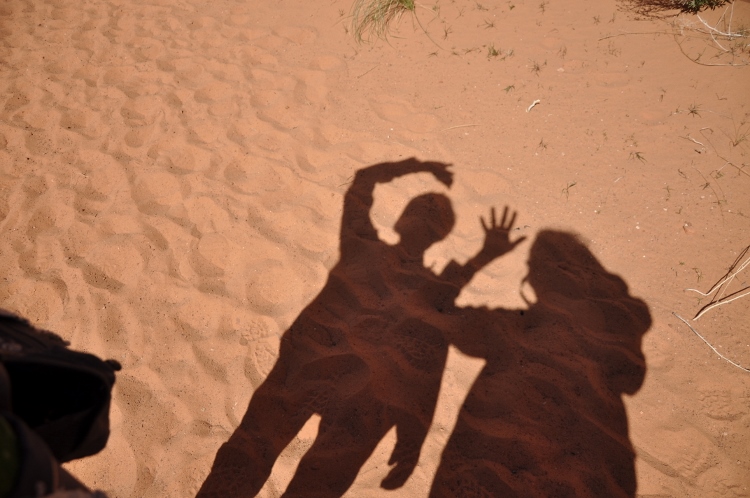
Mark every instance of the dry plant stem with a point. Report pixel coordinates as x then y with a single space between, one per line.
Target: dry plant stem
730 274
726 300
716 151
709 344
424 30
371 69
716 41
729 33
739 170
696 61
683 25
458 126
719 200
713 32
679 44
625 33
723 283
693 140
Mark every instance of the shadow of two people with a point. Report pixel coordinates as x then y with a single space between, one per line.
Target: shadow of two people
545 415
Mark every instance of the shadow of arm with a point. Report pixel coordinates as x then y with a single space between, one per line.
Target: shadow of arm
358 200
496 243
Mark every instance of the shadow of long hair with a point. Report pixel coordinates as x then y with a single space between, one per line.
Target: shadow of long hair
545 416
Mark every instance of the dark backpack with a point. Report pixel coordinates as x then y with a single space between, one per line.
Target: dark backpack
63 396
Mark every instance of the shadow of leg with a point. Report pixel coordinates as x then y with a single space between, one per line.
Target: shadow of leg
275 415
330 466
411 433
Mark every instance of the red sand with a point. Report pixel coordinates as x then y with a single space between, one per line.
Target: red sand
172 181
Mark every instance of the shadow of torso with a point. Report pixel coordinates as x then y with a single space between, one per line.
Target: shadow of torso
372 332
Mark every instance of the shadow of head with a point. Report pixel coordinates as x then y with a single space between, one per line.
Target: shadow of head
569 281
560 263
427 219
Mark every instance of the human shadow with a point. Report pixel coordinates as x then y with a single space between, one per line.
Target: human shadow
545 416
367 354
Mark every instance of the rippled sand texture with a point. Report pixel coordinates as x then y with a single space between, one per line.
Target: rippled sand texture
172 175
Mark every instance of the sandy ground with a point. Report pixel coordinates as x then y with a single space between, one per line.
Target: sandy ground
172 182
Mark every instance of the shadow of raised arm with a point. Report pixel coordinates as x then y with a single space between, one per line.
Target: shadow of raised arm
359 198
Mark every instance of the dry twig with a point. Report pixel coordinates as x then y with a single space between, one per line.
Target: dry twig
721 286
709 344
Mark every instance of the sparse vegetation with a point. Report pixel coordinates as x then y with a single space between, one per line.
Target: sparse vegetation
374 16
698 273
493 52
566 190
688 6
739 134
703 43
728 46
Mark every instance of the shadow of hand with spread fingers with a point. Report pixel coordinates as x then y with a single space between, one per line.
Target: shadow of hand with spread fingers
367 354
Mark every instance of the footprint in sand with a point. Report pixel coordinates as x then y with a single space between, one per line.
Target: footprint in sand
155 192
403 114
83 121
298 35
723 404
684 453
113 264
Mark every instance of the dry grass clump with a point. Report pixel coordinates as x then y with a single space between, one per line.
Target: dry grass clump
374 16
654 7
728 46
717 44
